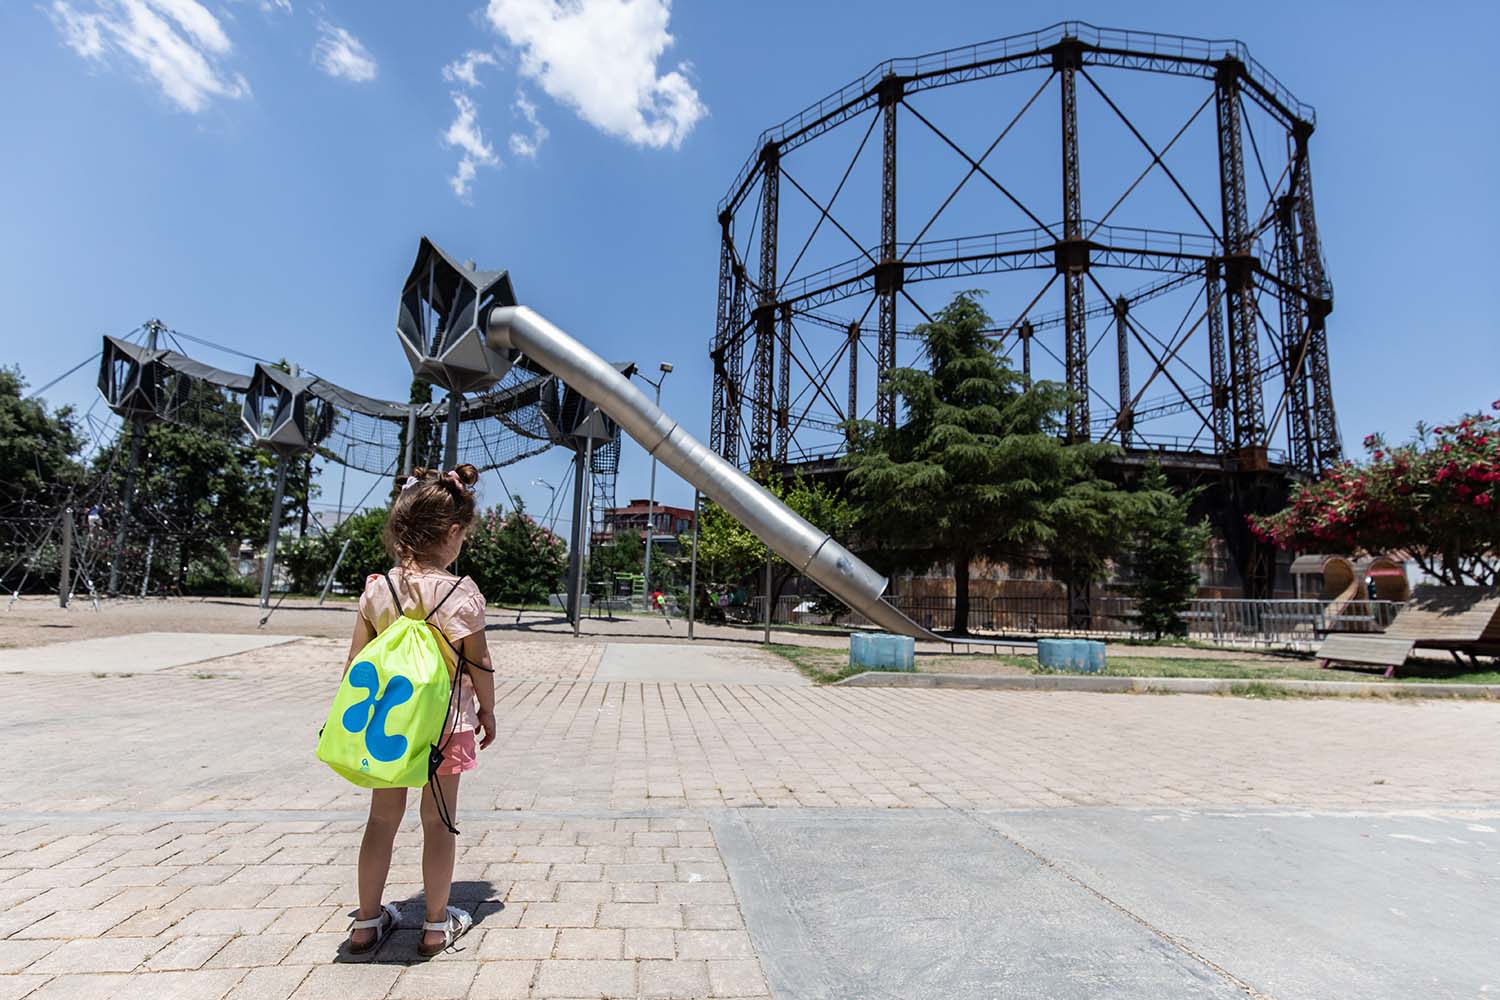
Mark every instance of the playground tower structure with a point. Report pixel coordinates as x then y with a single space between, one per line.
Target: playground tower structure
1162 261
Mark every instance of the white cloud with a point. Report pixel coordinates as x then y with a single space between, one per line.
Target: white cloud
178 43
522 144
341 55
464 134
465 70
600 58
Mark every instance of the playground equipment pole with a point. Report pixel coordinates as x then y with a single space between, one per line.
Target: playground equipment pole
587 526
65 560
270 567
666 369
328 583
693 573
152 329
450 439
575 555
768 595
411 436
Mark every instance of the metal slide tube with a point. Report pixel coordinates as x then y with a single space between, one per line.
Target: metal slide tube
813 553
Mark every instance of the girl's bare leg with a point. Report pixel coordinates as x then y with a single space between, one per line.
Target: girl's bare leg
387 805
438 849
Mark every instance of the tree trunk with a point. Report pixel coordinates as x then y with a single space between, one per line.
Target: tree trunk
961 593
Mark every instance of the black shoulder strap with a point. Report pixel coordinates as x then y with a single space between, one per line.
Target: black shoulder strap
456 584
394 597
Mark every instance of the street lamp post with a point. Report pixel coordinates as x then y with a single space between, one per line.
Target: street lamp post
666 369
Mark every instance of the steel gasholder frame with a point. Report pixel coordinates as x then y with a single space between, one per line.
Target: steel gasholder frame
1249 263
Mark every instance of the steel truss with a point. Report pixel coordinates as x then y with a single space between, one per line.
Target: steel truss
1263 401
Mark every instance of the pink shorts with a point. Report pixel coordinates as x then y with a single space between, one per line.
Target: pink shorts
460 754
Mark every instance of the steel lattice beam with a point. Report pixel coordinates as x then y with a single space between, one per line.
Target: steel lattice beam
1073 255
1218 366
761 420
889 272
1239 266
1293 338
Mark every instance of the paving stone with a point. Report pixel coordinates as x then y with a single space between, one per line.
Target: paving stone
300 919
85 986
559 915
74 923
186 953
97 955
518 942
673 979
207 984
505 980
292 895
318 949
254 950
84 897
634 892
603 978
714 944
271 983
640 915
712 917
531 892
696 893
232 921
589 942
347 982
639 873
649 942
16 987
435 980
737 978
585 892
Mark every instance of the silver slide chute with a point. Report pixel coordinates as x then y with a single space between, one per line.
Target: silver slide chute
812 552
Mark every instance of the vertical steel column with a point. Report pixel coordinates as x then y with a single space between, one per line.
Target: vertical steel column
693 571
1244 342
269 570
450 439
765 309
1218 368
1328 444
575 546
784 387
888 272
65 559
852 413
734 369
411 443
722 332
1067 59
1126 419
1026 332
1293 336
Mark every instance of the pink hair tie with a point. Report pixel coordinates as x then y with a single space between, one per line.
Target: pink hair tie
453 475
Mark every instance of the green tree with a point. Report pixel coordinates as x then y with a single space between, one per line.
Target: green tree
512 558
977 468
624 553
1164 554
38 450
201 487
1095 521
366 553
729 553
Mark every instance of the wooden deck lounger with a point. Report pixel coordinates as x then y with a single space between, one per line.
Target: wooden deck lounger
1458 619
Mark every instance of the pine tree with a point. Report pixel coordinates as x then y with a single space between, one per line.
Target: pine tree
977 468
1165 556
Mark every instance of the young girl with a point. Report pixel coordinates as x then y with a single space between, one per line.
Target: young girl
424 533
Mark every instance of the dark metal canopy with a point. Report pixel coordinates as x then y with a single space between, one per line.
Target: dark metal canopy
443 304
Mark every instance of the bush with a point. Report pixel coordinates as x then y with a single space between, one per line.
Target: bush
512 558
366 553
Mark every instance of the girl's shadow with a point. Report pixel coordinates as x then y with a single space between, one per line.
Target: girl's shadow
478 898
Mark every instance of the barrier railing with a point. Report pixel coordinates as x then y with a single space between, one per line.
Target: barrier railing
1275 622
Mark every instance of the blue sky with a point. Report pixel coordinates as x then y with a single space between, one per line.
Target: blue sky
259 173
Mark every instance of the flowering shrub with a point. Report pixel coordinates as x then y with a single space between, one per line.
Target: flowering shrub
512 558
1436 498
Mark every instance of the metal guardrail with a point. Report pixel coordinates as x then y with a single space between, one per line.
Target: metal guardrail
1276 622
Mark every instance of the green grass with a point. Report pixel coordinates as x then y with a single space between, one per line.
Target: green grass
821 666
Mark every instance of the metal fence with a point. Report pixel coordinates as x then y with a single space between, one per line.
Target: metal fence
1285 622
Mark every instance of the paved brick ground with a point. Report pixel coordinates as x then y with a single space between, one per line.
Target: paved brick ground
171 835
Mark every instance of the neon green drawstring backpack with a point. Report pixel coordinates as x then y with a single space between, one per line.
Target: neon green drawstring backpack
387 726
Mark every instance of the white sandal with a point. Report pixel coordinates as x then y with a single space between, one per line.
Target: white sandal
383 924
450 933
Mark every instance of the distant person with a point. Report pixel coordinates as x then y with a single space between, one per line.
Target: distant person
424 533
1370 588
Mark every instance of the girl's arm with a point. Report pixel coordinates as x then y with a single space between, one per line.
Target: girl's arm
363 633
476 650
